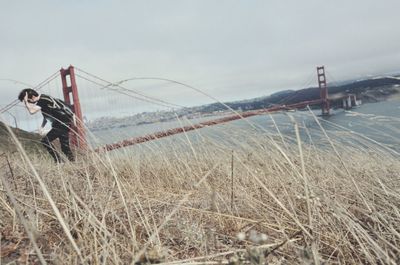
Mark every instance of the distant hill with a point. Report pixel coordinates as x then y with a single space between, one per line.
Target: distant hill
282 93
369 90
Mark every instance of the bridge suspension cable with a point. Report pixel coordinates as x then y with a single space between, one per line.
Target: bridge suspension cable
123 90
172 131
333 81
15 81
240 116
188 86
37 87
293 95
110 86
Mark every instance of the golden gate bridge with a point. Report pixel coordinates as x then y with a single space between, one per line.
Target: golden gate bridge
71 95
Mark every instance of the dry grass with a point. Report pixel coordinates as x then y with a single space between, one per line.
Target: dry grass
276 199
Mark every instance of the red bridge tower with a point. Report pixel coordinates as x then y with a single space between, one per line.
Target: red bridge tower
71 97
323 90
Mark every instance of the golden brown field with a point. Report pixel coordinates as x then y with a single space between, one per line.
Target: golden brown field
268 200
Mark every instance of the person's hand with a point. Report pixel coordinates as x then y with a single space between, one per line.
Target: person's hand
42 131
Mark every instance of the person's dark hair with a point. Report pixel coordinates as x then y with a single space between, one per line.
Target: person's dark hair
30 92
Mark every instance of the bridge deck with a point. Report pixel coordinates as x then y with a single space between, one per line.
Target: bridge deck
161 134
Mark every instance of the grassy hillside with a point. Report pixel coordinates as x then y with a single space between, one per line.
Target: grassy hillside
28 140
249 198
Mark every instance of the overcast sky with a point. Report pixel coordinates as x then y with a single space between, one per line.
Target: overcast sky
230 49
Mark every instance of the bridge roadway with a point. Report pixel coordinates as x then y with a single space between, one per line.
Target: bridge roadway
161 134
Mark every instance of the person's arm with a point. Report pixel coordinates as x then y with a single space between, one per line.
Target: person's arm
32 108
41 129
44 122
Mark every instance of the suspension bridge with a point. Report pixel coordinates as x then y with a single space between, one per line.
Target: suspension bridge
114 98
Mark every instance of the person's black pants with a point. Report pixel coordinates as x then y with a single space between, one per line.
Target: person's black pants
61 131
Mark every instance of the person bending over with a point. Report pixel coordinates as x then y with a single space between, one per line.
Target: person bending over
58 113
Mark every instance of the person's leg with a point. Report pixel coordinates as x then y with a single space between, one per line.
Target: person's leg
46 142
64 141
